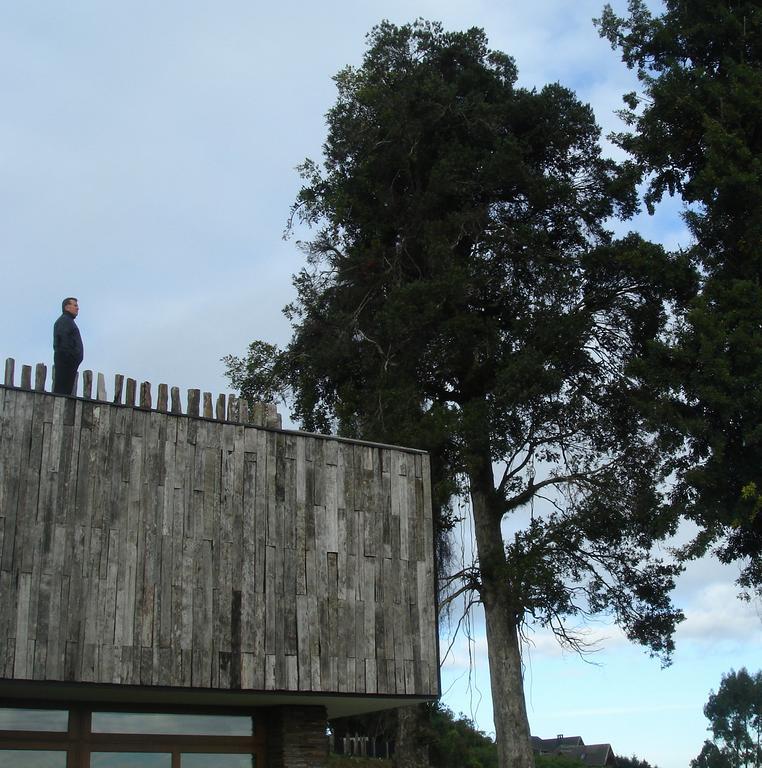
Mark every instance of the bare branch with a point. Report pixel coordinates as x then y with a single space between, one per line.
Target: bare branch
445 602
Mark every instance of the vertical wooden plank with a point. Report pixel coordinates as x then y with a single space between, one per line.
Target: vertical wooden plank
26 377
272 417
194 396
329 471
313 622
53 669
369 628
40 374
270 672
118 387
87 385
125 596
162 398
10 370
11 462
300 501
34 408
8 592
100 388
208 405
129 396
249 549
145 395
271 601
234 411
303 642
176 402
202 615
21 666
219 411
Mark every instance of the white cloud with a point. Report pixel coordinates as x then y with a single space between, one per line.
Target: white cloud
718 617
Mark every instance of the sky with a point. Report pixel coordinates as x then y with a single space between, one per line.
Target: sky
147 166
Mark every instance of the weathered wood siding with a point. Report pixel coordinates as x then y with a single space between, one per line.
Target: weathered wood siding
142 547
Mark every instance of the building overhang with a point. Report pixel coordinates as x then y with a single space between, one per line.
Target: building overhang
336 705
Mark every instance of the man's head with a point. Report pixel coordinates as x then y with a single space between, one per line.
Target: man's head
70 305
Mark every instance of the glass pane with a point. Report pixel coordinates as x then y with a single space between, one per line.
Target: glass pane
33 719
209 760
130 760
173 724
32 758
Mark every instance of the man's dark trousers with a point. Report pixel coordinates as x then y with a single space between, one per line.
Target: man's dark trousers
64 375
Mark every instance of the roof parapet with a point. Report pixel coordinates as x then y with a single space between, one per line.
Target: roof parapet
128 392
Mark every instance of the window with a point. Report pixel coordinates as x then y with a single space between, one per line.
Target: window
209 760
32 758
172 723
12 719
87 737
130 760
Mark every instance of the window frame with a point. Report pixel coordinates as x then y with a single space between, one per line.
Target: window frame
78 741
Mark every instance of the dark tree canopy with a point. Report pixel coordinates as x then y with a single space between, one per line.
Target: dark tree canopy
696 130
735 717
463 295
632 762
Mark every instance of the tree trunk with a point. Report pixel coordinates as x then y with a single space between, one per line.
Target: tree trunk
410 748
502 622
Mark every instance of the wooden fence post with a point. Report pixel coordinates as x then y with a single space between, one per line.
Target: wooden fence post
118 386
10 370
87 385
194 396
145 395
40 374
129 396
161 399
100 388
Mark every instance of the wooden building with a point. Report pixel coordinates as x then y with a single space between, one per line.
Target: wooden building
200 588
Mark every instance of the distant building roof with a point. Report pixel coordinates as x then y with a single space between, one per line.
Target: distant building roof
545 746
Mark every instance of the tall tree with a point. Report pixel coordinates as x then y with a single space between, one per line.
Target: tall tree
695 130
462 294
735 715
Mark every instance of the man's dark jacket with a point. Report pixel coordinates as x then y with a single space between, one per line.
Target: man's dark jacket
67 343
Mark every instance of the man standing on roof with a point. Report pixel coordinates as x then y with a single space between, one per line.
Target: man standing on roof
67 348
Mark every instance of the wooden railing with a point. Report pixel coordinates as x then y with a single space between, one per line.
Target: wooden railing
129 392
360 746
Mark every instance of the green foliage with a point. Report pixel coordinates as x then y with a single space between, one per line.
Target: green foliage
735 715
257 376
695 132
556 761
711 757
457 743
